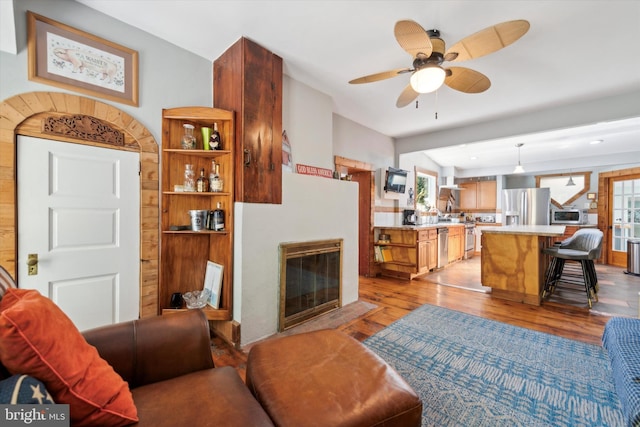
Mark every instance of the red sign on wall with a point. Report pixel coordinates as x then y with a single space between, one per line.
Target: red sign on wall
312 170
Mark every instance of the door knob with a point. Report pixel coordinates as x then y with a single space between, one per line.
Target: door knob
32 262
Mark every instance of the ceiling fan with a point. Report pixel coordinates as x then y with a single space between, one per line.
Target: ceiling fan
428 52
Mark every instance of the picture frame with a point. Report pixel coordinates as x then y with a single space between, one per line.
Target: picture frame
63 56
213 282
591 196
287 157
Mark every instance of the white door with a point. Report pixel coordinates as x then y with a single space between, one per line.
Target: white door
79 211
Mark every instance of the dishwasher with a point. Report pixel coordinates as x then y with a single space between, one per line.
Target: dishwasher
443 247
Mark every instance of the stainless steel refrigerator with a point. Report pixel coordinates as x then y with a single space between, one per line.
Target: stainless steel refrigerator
526 206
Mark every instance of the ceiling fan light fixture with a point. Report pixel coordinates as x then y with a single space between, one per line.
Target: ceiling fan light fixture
428 79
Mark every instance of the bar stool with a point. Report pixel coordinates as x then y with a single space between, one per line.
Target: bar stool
583 247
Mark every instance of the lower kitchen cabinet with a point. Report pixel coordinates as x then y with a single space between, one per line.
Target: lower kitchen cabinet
456 243
427 250
408 253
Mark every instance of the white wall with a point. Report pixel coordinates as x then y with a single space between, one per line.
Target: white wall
306 116
354 141
312 208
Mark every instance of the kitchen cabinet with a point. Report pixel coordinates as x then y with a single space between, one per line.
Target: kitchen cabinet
408 253
487 195
184 252
468 196
427 250
478 195
456 243
247 79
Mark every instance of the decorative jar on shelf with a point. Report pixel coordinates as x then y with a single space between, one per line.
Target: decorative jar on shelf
188 141
189 178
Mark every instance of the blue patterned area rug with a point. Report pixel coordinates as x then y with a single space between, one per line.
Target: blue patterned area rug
471 371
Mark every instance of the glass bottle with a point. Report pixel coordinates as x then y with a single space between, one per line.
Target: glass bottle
188 141
215 142
202 184
215 182
189 178
218 218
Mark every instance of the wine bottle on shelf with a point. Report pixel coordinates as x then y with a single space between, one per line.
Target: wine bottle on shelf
215 142
202 184
218 218
215 182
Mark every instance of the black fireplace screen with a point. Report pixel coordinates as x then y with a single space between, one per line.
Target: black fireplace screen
310 280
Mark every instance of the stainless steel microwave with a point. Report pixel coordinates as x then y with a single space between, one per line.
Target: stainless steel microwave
569 216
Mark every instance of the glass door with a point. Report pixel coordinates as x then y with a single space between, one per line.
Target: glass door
625 216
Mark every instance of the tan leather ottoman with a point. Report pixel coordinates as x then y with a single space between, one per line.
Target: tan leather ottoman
328 379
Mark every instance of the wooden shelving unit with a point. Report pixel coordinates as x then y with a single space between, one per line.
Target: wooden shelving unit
184 253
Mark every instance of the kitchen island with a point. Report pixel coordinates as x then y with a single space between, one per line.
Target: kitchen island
409 251
513 264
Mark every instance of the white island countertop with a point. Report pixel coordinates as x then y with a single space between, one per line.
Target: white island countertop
535 230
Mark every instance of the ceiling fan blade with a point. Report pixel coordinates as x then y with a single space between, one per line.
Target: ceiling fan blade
413 38
406 97
489 40
466 80
379 76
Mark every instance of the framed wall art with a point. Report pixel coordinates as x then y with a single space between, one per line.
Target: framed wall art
63 56
213 282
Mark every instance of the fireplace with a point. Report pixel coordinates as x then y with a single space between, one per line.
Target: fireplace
310 280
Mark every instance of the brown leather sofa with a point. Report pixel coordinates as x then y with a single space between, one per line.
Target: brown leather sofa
168 365
322 378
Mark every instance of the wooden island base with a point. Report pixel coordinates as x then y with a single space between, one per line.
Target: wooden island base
512 262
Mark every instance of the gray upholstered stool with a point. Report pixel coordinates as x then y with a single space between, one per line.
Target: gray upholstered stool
583 247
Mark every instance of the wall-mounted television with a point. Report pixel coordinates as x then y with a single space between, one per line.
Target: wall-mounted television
395 181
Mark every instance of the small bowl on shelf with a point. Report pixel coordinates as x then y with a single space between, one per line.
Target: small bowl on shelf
384 238
197 299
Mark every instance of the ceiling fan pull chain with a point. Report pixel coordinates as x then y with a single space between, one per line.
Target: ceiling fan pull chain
436 105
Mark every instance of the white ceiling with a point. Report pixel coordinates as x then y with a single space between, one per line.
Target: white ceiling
574 51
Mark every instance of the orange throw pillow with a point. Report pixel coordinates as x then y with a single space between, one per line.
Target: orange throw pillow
38 339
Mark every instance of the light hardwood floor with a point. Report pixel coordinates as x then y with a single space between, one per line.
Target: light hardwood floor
566 315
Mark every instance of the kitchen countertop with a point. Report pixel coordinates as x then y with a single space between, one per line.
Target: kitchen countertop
536 230
422 226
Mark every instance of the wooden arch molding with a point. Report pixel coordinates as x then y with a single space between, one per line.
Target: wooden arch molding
23 115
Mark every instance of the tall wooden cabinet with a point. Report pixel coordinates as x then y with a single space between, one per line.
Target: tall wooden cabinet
184 253
247 79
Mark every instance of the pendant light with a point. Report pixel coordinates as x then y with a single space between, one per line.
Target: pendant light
570 182
519 168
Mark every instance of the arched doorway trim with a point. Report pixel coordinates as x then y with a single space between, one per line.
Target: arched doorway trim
23 114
